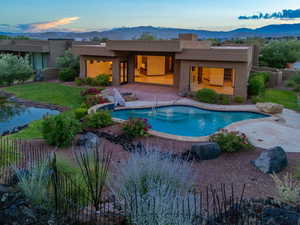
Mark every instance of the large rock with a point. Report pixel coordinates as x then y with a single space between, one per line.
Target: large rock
271 161
268 107
89 141
203 151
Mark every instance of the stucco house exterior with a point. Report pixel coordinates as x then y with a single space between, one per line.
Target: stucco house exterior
186 64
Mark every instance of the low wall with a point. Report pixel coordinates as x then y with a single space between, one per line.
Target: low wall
50 73
276 75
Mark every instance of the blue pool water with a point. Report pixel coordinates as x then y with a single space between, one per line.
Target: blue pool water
12 116
186 120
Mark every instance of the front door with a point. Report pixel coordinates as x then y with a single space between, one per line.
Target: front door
124 72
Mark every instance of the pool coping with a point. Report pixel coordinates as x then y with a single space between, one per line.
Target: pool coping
206 107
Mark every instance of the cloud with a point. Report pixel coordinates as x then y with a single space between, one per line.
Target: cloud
286 14
46 26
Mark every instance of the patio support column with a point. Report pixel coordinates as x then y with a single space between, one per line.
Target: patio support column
83 67
241 80
131 59
116 72
184 78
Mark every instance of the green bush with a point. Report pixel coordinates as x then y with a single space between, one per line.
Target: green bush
257 83
224 99
60 130
136 127
79 81
207 95
14 69
67 74
255 99
294 82
231 141
97 120
80 113
69 60
238 99
102 80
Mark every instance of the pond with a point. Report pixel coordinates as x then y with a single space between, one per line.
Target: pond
14 115
186 120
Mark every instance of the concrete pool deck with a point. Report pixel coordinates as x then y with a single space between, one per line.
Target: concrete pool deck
282 130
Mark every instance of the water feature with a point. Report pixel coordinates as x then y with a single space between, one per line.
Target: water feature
186 120
14 115
297 65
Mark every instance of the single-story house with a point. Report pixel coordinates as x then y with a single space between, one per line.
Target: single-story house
186 64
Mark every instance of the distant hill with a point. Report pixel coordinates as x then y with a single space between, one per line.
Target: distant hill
127 33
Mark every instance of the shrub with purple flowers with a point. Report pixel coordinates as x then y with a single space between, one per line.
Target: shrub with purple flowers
136 127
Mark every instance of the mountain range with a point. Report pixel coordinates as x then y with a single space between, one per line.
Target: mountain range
127 33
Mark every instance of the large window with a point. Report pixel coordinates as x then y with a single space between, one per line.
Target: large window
95 68
154 69
219 79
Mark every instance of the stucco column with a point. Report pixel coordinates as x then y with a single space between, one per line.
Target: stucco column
83 67
131 68
116 72
241 80
184 78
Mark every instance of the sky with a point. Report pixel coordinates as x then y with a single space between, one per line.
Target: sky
89 15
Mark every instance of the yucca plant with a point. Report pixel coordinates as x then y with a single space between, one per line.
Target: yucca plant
94 166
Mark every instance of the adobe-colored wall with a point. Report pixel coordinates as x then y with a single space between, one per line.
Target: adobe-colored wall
57 48
240 82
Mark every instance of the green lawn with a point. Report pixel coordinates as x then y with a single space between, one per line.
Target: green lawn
284 97
53 93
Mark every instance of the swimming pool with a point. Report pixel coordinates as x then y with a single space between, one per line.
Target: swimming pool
186 120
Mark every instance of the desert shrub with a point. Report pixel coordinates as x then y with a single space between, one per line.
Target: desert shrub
149 177
67 74
94 166
231 141
294 82
288 189
149 170
14 69
60 130
136 127
97 120
102 80
77 193
238 99
91 100
35 184
207 95
224 99
79 81
91 91
257 83
80 112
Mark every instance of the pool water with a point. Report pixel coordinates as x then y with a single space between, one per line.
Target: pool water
186 120
14 115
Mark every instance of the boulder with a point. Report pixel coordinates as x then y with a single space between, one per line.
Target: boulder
272 160
203 151
89 141
271 108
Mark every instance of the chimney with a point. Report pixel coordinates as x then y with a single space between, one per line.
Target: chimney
188 37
